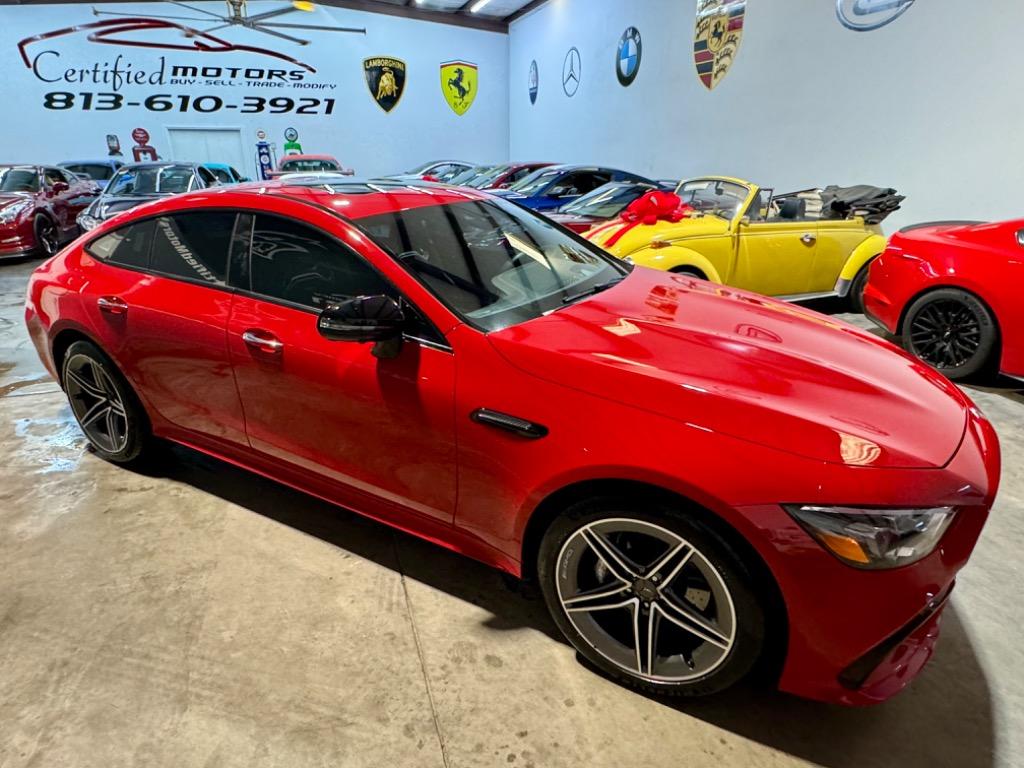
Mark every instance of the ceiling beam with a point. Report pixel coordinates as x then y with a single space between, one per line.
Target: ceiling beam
531 6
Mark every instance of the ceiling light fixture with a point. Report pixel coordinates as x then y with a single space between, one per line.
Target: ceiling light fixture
478 5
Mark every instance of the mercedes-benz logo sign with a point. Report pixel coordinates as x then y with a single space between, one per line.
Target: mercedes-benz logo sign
572 70
867 15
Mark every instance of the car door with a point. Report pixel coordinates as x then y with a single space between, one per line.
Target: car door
382 426
837 240
80 195
56 191
775 255
159 305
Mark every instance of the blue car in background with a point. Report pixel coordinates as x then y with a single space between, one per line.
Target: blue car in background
557 185
225 173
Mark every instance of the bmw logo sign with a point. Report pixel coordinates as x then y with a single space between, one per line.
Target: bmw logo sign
867 15
534 82
631 49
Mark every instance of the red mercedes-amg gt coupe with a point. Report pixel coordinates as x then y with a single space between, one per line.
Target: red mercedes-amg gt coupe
702 480
952 290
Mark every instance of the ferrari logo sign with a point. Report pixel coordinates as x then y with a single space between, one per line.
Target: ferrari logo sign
459 85
385 77
717 38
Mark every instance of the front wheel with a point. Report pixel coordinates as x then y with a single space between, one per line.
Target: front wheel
653 598
106 408
47 239
952 331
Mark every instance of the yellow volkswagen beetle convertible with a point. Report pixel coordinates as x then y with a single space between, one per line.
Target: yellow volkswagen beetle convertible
800 245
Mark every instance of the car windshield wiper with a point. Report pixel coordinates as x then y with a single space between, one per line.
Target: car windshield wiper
573 297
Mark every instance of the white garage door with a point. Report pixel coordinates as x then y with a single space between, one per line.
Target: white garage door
210 145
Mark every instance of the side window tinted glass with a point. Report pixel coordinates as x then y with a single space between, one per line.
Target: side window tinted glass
128 246
292 262
193 246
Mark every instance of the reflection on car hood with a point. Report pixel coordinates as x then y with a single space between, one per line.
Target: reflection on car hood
106 206
6 198
639 237
736 363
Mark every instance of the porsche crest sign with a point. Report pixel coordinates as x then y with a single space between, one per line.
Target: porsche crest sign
717 38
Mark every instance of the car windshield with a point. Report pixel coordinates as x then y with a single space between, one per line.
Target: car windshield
493 263
607 201
18 179
96 171
419 170
535 182
161 180
487 178
309 165
717 197
464 178
222 175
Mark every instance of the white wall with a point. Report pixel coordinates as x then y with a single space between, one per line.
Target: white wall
930 104
422 127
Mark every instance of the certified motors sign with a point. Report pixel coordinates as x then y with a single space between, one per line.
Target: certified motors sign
868 15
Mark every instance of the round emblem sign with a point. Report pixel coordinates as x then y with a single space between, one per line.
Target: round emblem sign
141 136
631 50
261 134
534 82
291 134
572 70
868 15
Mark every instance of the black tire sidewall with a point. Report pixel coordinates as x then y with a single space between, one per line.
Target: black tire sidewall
138 422
989 330
857 287
750 618
41 221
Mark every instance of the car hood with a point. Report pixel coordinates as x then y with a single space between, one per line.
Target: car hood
105 207
7 198
574 221
732 362
636 237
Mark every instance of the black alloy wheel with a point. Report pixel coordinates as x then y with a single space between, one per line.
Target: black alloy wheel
104 405
653 599
46 236
952 331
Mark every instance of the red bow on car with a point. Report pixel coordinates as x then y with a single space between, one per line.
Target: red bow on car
649 209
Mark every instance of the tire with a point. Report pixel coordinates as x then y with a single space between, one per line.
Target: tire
952 331
856 295
723 616
47 238
104 404
691 271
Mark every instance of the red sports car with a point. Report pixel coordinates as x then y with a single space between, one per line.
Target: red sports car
39 206
702 480
602 205
952 290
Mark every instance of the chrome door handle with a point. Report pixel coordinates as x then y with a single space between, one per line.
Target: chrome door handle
262 343
112 305
808 239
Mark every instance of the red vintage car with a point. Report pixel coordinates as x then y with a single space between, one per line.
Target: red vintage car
952 291
703 481
39 206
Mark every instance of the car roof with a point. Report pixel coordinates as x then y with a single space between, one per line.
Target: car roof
286 158
158 164
105 161
217 165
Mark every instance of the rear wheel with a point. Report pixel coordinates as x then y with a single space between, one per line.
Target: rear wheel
952 331
857 289
47 240
106 408
691 271
656 600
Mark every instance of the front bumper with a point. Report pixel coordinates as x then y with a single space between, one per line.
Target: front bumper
17 241
859 637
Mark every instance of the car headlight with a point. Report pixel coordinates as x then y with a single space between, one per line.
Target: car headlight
11 212
875 538
86 220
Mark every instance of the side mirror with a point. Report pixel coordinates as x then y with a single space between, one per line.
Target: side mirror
364 319
59 186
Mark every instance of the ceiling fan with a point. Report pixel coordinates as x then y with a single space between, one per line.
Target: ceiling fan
237 16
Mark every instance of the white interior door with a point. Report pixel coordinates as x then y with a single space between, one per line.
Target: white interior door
210 145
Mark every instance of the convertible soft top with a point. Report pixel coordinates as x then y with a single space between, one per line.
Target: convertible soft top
873 203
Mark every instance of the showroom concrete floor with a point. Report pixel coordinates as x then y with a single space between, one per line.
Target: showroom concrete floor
205 616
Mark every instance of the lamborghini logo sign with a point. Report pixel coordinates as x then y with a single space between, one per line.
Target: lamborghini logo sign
459 85
385 77
717 38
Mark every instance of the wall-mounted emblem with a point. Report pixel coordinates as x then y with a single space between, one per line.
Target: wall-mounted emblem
534 81
459 84
867 15
631 49
291 142
572 71
385 77
717 38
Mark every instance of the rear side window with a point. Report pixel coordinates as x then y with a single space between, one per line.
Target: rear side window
127 246
95 171
292 262
193 246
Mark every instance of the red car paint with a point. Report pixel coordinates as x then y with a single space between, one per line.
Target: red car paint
984 259
513 173
736 402
60 204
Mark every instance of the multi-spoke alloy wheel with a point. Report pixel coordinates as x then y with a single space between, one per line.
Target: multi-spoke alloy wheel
653 598
46 236
104 404
951 331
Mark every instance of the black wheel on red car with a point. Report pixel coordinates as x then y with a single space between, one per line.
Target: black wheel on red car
104 404
46 235
654 598
951 330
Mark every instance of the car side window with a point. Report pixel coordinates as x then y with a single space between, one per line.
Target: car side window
207 176
127 246
52 176
297 264
193 246
69 177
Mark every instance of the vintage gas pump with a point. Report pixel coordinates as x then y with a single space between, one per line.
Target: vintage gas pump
142 151
265 156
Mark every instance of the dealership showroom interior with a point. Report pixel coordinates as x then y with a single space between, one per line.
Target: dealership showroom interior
530 383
